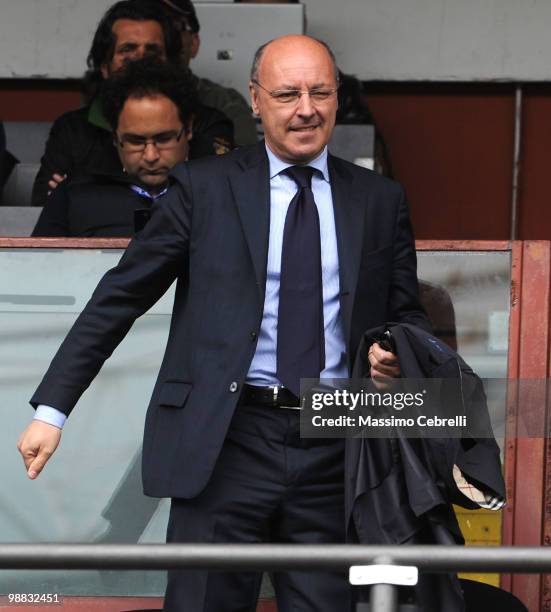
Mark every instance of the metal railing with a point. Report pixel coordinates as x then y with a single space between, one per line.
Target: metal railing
274 557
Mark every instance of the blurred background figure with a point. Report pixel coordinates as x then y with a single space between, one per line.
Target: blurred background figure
2 155
354 110
149 106
7 160
225 99
80 141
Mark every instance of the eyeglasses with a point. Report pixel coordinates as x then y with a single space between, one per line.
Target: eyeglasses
137 144
292 96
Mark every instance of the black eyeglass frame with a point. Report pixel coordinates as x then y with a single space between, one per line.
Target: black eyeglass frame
140 148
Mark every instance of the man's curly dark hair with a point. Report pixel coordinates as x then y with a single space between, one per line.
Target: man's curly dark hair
103 43
144 78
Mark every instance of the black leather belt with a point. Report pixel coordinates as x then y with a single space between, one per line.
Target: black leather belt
271 397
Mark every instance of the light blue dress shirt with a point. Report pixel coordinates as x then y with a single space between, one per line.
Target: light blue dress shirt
262 371
282 190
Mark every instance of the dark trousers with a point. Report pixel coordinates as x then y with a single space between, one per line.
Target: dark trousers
269 485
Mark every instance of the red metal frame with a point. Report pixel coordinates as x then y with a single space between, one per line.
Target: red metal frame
121 243
64 243
527 469
511 422
463 245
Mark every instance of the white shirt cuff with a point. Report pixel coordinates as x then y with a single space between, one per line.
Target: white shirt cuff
50 415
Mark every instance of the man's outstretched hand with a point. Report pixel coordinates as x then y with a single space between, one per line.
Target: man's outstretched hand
36 445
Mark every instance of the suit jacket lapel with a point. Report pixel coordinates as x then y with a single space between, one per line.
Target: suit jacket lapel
349 223
251 189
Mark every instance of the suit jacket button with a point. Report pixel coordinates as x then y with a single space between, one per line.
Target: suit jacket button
233 387
253 336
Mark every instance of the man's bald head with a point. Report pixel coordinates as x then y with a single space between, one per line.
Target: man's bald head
294 91
254 76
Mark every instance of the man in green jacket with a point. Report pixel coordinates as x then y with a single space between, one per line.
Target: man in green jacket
225 99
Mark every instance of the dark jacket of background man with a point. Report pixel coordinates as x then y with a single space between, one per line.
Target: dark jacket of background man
97 206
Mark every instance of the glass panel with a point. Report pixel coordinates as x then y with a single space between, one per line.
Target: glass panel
467 296
86 491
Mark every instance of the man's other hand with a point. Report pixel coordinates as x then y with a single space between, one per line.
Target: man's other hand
55 181
37 444
384 366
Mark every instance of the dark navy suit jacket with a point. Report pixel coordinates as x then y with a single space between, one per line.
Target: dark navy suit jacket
211 234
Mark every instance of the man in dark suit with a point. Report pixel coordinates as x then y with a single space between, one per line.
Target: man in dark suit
259 305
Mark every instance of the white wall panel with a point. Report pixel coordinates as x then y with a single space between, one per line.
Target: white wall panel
47 38
437 39
375 39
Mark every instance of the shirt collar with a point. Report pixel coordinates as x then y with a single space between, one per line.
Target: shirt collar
277 165
145 194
